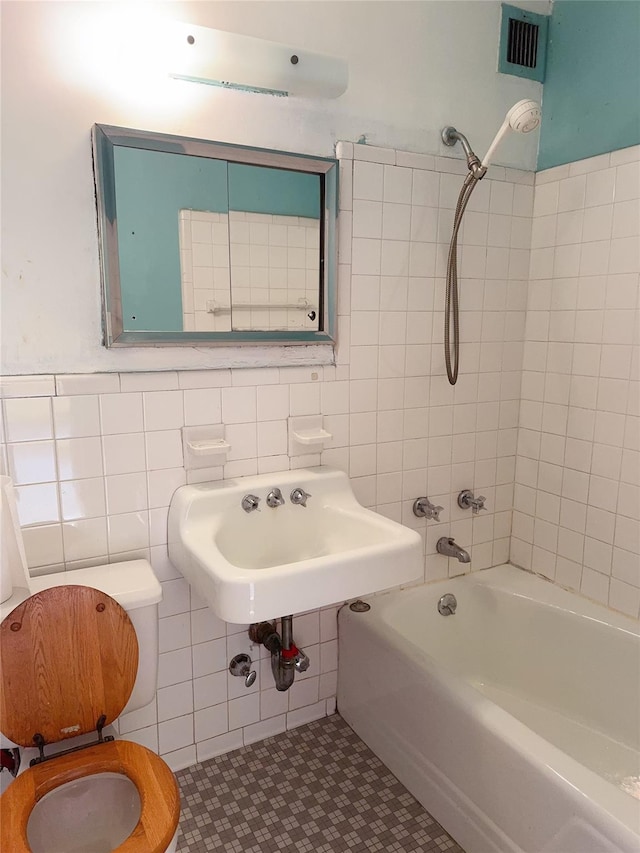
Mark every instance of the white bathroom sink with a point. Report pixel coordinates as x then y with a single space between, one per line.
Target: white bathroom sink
250 566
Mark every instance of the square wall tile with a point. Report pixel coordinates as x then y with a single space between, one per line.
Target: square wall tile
82 499
79 458
174 701
367 181
239 405
161 485
32 462
163 410
128 532
124 453
164 449
244 711
121 413
202 407
28 419
176 733
126 493
210 690
84 538
43 545
175 667
211 722
76 417
209 657
37 504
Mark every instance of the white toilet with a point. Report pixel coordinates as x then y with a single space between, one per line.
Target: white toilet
75 647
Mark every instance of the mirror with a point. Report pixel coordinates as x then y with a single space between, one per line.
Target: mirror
203 242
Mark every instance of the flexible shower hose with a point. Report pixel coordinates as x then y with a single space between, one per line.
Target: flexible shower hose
451 305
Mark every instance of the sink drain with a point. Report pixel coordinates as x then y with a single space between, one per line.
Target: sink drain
359 606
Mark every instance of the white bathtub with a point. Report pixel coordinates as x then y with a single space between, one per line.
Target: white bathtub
514 721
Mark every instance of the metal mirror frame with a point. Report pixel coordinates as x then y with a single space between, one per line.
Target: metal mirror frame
106 137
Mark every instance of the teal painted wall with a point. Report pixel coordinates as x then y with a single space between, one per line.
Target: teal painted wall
257 189
151 187
591 100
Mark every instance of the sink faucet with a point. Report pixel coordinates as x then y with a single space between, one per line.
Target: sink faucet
274 498
299 496
250 503
447 546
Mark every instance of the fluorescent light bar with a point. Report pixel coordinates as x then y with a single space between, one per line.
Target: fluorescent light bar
204 55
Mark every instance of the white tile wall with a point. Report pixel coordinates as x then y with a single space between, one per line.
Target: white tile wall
98 457
410 432
577 493
258 259
204 270
275 261
94 475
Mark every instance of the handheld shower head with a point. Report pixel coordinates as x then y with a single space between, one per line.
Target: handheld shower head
523 117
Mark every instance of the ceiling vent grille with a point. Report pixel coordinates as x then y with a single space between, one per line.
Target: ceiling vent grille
523 43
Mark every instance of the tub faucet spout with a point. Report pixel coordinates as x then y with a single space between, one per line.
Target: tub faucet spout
448 547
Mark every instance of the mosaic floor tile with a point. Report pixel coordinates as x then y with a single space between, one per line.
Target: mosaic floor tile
315 789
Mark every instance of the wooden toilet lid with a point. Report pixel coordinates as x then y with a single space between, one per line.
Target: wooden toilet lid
68 655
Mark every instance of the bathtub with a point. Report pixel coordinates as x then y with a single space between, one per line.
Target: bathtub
515 721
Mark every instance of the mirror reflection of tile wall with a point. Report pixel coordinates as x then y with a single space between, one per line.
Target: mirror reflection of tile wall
275 263
276 271
204 271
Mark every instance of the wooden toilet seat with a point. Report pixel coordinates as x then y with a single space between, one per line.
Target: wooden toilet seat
156 784
68 661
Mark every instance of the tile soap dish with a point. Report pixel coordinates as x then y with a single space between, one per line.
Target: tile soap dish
204 446
209 447
306 435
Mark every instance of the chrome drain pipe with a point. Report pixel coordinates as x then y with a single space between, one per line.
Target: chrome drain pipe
286 657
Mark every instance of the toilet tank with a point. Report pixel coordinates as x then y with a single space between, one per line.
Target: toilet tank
135 587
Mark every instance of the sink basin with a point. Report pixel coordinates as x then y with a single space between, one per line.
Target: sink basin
250 566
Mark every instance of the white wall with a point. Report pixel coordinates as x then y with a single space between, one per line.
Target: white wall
414 67
577 494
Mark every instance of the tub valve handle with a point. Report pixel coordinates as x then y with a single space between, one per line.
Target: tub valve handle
466 499
423 508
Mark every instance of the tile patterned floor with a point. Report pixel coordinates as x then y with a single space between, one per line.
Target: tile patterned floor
315 789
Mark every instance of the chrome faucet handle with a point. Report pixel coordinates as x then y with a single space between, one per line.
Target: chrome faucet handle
447 604
250 503
274 498
299 496
301 661
423 508
241 666
467 500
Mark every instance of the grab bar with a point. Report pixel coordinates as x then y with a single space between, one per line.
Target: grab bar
214 307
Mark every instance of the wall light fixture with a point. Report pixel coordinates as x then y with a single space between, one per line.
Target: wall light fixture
204 55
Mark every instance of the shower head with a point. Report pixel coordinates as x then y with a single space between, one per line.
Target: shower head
523 117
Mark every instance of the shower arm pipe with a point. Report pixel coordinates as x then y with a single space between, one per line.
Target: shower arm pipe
450 136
